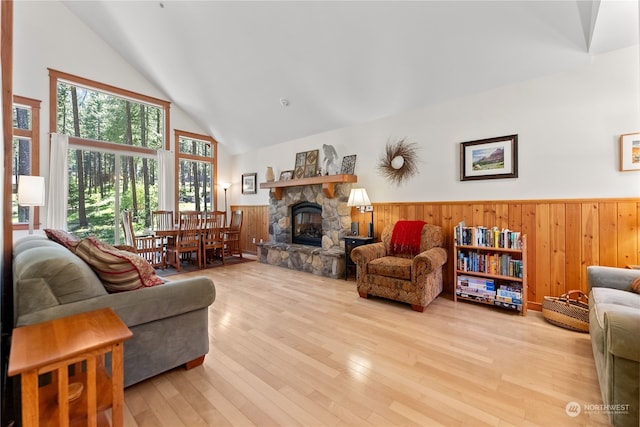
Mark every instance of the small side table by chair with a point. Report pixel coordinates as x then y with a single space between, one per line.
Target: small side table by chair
351 242
53 346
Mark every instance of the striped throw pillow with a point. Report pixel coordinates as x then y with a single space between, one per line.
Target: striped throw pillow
118 270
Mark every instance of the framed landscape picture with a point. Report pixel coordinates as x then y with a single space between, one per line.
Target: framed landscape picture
490 158
249 183
630 152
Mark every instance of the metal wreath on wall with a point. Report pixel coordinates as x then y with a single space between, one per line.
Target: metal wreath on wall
399 161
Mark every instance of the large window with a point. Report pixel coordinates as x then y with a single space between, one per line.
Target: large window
25 154
196 171
114 135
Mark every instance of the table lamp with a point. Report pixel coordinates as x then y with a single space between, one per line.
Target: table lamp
359 198
31 193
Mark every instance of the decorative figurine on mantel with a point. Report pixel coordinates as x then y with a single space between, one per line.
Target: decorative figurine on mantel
330 160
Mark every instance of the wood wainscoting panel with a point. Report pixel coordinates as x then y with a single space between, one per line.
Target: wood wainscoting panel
255 224
564 236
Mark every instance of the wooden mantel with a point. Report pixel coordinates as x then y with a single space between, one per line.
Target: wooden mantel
328 183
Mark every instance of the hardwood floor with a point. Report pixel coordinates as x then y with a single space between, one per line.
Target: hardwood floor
289 349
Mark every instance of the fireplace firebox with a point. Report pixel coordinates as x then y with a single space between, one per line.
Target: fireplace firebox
306 224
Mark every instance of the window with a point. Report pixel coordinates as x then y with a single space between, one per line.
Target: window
25 154
196 171
114 135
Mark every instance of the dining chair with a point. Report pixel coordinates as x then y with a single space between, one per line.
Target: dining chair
213 235
161 224
162 220
147 246
187 239
232 235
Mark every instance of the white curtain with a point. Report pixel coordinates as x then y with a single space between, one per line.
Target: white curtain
166 172
58 182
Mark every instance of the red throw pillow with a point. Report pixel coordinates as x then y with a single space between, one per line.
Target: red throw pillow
118 270
62 237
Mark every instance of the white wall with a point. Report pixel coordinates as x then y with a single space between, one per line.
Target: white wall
568 124
48 35
568 127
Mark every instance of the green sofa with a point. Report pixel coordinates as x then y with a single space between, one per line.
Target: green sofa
169 321
614 326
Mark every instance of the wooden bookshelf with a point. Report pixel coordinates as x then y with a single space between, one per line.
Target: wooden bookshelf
328 183
494 273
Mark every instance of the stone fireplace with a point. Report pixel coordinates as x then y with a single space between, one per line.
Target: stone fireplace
325 256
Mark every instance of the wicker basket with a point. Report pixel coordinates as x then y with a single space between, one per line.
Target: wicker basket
569 311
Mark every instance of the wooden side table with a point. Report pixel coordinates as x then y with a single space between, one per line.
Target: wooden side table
351 242
55 345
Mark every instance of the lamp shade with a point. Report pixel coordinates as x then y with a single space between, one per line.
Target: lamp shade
30 190
358 197
225 185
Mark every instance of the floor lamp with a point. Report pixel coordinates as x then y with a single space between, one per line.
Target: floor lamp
225 186
31 193
359 198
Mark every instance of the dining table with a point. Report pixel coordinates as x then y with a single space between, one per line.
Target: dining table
164 234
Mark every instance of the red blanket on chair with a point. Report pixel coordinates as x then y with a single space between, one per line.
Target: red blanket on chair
405 239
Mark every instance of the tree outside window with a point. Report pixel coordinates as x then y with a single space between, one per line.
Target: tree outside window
114 136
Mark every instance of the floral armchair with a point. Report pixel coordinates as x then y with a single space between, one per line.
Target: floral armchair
405 266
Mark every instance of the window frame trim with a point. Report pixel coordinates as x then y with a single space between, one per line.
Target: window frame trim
56 75
34 136
213 160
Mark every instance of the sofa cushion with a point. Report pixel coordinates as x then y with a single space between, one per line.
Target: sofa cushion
119 270
391 266
26 244
34 295
615 297
63 237
68 277
603 300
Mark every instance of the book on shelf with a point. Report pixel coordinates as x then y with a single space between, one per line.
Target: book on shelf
476 283
509 305
490 263
486 237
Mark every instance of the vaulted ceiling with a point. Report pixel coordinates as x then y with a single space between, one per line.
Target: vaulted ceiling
232 65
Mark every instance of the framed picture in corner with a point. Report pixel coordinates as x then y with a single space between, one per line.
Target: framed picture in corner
249 183
630 152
